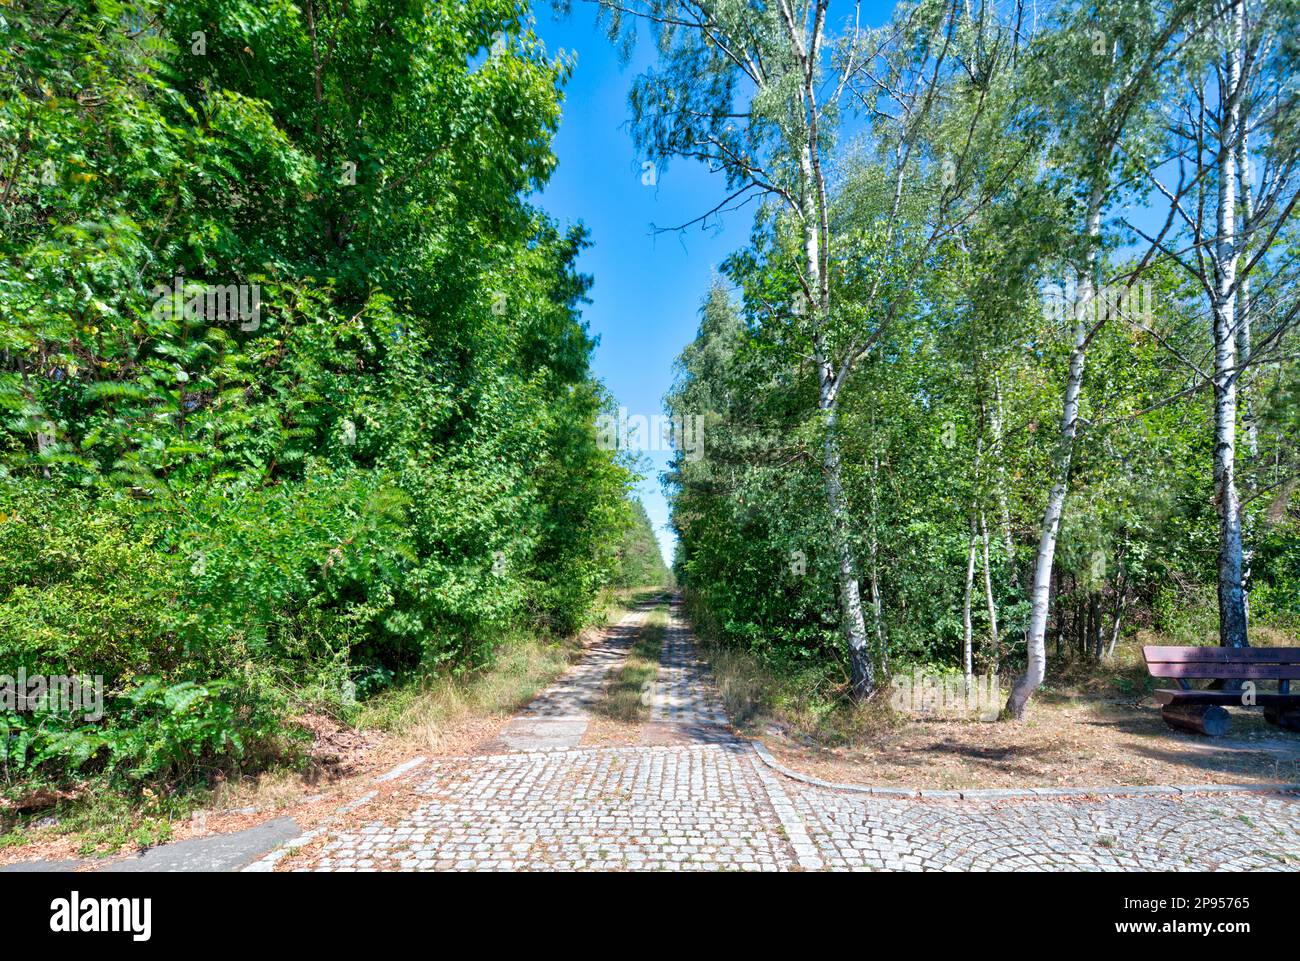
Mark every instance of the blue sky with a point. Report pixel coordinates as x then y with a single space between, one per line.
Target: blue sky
648 288
647 291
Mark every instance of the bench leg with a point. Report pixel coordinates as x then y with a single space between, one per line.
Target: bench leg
1286 717
1198 718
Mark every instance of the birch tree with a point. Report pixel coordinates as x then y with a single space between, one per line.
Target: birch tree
1241 77
1099 81
758 92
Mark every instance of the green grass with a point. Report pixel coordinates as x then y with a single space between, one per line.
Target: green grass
626 696
524 665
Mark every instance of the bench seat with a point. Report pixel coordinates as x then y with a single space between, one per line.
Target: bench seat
1201 710
1176 695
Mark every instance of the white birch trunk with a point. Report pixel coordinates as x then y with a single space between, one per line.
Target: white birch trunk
1008 545
1036 661
861 667
1232 607
1121 602
1250 430
994 639
967 659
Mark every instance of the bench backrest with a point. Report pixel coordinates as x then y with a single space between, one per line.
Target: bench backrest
1229 663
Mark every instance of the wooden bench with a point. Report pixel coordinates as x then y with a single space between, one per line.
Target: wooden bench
1200 710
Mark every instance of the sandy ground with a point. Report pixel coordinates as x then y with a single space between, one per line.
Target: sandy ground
1085 742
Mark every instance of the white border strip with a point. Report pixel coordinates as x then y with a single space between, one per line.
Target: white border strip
805 851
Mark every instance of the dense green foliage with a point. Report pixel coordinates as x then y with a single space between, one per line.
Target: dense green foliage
369 473
1140 522
640 563
960 272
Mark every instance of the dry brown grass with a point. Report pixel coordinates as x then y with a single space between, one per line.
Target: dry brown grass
453 715
449 715
624 695
1090 726
1064 742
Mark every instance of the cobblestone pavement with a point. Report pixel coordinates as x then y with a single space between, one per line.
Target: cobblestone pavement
1232 832
706 802
691 808
558 717
686 708
684 692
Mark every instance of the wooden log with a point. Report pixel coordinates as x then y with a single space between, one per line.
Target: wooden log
1207 719
1285 717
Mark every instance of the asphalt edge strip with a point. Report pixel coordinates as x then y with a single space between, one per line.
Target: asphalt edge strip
267 862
